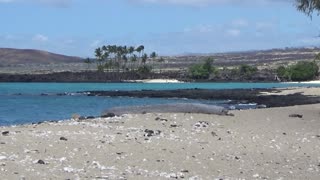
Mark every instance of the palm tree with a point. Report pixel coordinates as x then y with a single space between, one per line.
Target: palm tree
153 56
133 59
144 58
98 54
88 62
161 60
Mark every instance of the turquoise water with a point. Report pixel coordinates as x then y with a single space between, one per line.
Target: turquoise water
22 102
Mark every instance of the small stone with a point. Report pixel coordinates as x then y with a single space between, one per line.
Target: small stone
185 171
63 139
173 125
41 162
284 133
214 134
5 133
296 115
237 158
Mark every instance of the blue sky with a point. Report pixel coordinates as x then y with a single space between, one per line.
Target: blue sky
170 27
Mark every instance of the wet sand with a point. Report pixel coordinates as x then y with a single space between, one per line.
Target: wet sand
253 144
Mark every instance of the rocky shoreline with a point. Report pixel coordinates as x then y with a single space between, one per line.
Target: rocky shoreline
234 95
102 77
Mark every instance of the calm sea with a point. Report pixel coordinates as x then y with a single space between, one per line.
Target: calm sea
22 103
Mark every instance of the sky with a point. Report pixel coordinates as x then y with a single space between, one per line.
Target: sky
169 27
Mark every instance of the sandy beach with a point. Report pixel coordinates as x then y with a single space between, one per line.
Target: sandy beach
252 144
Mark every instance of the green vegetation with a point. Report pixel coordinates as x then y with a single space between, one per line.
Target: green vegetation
302 71
308 6
247 70
113 58
202 71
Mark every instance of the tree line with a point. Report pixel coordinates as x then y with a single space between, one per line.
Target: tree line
114 58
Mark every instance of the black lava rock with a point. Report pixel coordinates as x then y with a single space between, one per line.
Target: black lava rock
108 115
91 117
63 139
296 115
5 133
41 162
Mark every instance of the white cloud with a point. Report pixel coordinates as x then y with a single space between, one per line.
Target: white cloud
233 32
95 43
240 23
40 38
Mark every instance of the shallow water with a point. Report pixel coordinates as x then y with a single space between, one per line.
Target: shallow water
23 103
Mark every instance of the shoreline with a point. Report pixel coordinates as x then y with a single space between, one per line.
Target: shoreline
279 97
252 144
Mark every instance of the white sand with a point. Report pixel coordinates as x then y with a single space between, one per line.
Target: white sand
286 91
254 144
307 82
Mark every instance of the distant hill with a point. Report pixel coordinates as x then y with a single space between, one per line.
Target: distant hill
9 56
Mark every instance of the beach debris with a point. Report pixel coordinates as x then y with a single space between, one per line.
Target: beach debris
108 115
201 124
63 139
296 115
214 134
40 162
173 125
149 133
161 119
5 133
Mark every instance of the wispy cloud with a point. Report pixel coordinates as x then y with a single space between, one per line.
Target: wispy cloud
54 3
40 38
233 32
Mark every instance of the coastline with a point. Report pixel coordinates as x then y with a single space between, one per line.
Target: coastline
252 144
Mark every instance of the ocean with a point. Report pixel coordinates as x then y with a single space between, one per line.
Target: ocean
22 103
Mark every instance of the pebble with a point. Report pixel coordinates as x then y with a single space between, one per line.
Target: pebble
41 162
5 133
63 139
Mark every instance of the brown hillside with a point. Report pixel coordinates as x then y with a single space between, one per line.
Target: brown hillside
10 56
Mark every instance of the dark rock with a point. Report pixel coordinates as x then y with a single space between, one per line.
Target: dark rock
81 118
149 133
284 133
63 139
237 158
296 115
108 115
5 133
161 119
91 117
173 125
185 171
214 134
41 162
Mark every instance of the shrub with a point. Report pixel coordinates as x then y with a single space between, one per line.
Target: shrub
144 69
302 71
247 70
199 72
202 71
